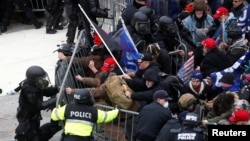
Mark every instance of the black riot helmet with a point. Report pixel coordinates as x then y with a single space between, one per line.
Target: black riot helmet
148 11
167 25
191 119
83 96
234 31
141 23
37 76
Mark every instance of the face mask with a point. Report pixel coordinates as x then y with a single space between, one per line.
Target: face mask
148 84
198 16
165 105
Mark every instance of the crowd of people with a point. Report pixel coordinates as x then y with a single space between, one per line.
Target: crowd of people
216 35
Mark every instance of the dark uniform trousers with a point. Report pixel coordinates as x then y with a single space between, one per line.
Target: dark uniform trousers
77 138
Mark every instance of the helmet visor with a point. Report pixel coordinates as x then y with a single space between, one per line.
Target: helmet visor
143 27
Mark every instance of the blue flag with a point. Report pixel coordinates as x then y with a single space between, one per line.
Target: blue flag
130 53
237 68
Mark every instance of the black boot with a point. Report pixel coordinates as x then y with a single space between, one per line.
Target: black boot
50 31
38 24
3 29
58 27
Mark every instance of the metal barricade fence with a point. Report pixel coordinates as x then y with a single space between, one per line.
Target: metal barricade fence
121 129
35 5
116 130
38 5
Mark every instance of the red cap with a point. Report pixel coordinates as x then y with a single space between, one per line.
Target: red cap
108 64
209 43
220 12
189 8
239 115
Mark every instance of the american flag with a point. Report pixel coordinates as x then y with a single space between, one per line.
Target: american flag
184 73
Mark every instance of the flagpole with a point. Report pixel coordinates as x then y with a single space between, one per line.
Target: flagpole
68 69
85 14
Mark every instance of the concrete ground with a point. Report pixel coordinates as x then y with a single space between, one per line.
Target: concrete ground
20 47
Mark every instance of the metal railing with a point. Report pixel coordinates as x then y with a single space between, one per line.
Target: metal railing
121 129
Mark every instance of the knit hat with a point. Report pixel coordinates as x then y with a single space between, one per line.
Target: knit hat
209 43
162 94
108 64
228 78
239 115
196 74
145 57
220 12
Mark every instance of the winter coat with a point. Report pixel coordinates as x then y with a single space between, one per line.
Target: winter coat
197 33
150 124
202 94
213 61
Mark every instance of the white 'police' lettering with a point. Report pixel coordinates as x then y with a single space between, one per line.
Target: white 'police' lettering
80 114
186 136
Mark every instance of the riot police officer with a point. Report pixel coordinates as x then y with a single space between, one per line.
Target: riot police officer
140 30
28 13
33 88
77 19
129 11
190 130
81 116
55 10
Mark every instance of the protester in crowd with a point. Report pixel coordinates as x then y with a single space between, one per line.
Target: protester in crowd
228 83
238 6
160 56
237 45
198 87
225 18
148 129
240 117
214 60
109 65
198 22
243 22
149 85
221 107
31 103
97 55
76 124
145 62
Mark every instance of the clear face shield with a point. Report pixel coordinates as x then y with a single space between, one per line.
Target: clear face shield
43 82
143 27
